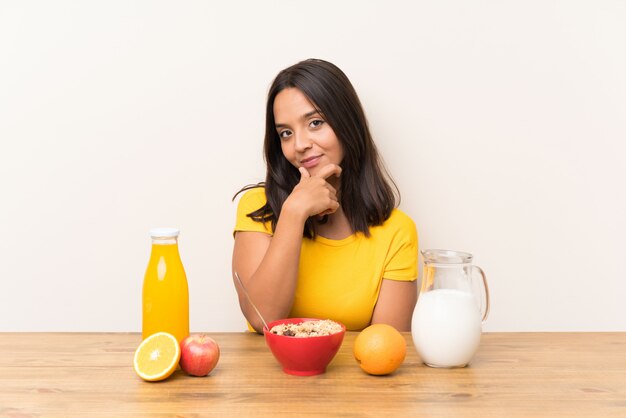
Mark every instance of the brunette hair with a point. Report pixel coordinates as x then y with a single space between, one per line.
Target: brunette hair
367 192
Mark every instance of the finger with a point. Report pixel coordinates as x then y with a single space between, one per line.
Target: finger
329 170
332 209
304 173
332 190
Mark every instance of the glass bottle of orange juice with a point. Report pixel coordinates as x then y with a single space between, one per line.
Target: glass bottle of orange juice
165 290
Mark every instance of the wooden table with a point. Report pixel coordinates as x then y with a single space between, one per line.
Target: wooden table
512 375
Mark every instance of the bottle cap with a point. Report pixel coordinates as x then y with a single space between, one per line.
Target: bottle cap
164 232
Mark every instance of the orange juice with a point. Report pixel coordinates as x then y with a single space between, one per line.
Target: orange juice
165 290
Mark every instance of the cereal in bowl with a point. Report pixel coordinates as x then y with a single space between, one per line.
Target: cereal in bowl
307 329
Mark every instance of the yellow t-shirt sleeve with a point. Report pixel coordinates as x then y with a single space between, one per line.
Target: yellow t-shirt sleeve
251 200
401 263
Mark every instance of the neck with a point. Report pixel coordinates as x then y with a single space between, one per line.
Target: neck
335 227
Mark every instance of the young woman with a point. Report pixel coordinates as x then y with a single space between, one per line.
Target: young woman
321 237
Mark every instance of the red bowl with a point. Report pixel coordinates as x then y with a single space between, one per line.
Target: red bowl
303 356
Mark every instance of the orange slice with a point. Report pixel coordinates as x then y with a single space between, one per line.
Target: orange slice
157 356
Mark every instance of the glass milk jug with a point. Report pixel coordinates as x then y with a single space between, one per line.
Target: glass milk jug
450 310
165 290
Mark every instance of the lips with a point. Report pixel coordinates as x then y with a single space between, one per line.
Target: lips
310 161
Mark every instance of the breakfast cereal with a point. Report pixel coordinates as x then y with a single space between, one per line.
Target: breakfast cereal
307 329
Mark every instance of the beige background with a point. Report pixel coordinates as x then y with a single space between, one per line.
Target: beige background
503 123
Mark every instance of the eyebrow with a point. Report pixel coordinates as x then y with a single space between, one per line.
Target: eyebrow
305 116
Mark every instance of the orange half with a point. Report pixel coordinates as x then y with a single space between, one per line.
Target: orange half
157 356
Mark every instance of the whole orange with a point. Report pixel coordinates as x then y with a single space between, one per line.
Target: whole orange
379 349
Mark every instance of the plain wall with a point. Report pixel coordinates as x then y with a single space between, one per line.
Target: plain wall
502 122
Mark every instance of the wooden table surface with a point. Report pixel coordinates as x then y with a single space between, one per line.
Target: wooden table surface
512 375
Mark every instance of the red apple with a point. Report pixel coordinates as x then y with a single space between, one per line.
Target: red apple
199 354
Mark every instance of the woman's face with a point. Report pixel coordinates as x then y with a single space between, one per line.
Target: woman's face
306 139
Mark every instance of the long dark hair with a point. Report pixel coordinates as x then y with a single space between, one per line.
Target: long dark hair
367 191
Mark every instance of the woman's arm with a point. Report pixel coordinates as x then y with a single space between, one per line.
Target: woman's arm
268 265
395 305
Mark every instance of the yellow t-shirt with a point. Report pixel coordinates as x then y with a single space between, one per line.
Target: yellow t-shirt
341 279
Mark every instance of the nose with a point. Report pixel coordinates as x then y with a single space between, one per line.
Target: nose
302 141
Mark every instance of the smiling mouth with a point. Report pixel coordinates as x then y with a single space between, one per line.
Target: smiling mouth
310 162
306 160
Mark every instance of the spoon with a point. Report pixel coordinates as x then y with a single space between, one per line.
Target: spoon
245 292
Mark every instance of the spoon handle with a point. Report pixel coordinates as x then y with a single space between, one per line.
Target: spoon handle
245 292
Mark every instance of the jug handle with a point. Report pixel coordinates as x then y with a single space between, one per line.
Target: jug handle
482 273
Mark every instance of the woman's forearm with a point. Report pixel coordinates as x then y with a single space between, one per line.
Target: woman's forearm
272 286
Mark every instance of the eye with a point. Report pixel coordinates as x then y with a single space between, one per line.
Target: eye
316 123
284 134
